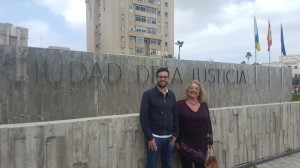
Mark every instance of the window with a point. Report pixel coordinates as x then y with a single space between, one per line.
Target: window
151 10
166 44
140 8
146 9
122 27
131 51
140 29
139 50
122 16
139 39
152 51
155 41
122 49
122 4
166 14
151 20
296 67
122 38
166 4
132 39
151 31
140 18
151 1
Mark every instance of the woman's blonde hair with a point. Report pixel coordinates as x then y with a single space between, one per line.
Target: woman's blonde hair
201 96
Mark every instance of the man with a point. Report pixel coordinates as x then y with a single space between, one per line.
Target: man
159 121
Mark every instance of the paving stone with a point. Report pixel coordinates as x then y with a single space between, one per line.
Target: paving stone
291 161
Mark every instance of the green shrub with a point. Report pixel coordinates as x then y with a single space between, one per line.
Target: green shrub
289 151
252 165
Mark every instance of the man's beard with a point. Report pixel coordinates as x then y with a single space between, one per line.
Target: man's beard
162 86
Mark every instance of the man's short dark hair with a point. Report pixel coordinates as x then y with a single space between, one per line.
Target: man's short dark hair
162 69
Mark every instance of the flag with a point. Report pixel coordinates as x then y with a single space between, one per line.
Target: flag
282 42
269 38
257 45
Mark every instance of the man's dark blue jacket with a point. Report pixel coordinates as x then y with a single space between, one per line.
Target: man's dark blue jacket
159 113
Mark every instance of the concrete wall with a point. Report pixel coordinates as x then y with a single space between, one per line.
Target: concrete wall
241 134
44 84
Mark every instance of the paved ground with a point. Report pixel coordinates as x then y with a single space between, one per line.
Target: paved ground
291 161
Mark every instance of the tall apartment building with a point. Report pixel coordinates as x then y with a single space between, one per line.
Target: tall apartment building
130 27
11 35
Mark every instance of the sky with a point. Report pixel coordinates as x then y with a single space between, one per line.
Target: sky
218 30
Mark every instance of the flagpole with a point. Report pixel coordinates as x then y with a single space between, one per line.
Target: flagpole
269 39
255 31
255 70
281 71
269 69
255 27
283 53
281 68
270 57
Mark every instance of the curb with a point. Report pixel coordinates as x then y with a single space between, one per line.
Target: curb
263 160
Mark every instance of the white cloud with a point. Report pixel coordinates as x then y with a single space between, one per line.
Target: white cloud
220 30
73 11
223 30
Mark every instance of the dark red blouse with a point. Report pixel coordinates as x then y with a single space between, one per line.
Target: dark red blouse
195 130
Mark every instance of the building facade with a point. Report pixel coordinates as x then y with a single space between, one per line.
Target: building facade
289 61
13 35
130 27
293 62
59 48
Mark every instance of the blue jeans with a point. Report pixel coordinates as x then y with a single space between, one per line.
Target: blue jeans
164 149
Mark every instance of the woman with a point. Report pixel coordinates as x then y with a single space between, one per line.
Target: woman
195 130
